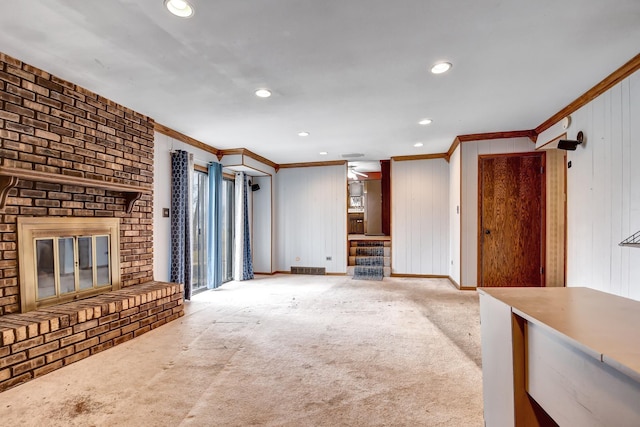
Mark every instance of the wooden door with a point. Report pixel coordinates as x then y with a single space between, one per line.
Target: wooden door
511 220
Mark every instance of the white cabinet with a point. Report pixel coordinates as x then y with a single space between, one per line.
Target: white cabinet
560 356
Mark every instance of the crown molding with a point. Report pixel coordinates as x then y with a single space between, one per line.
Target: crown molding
607 83
419 157
184 138
312 164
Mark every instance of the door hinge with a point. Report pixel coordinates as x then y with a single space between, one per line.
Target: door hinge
541 270
541 170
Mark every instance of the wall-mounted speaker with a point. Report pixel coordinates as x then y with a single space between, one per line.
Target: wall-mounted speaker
569 144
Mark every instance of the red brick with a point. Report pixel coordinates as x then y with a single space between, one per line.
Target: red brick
73 339
24 345
46 348
76 357
29 365
123 338
13 359
47 368
5 385
110 335
97 331
58 334
87 344
102 347
59 354
85 325
141 331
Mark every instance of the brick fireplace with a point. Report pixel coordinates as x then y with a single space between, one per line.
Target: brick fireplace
68 153
53 126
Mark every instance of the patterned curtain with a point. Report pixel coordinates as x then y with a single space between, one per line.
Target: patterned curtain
243 265
181 167
214 239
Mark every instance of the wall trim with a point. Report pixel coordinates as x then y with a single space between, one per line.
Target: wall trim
452 149
420 276
607 83
531 134
420 157
311 164
184 138
461 288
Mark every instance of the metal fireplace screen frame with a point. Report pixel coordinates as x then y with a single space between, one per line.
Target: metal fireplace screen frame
34 230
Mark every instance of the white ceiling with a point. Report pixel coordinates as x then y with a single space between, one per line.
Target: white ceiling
354 73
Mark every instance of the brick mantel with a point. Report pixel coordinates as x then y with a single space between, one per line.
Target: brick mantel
11 176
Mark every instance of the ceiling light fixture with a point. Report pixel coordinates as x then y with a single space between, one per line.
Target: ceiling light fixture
425 122
323 153
303 133
263 93
441 67
179 8
418 144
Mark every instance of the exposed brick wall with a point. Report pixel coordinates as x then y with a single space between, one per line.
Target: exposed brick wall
36 343
52 125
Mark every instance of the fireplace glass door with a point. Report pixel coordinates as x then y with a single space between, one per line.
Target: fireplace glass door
69 264
66 265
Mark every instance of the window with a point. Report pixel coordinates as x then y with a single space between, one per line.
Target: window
63 259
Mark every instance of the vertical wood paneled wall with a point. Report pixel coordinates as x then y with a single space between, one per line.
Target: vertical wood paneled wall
555 218
311 218
469 209
262 225
454 215
603 191
420 217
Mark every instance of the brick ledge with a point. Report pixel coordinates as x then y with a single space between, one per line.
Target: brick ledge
35 343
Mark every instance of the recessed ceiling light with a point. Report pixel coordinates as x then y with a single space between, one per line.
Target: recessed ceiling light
418 144
303 133
263 93
425 122
441 67
179 8
323 153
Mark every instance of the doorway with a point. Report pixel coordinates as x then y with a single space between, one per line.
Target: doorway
511 220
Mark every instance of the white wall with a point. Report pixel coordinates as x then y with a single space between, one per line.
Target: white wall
420 217
162 198
454 215
469 209
262 225
603 191
311 219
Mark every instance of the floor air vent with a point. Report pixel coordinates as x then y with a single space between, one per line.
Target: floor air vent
308 270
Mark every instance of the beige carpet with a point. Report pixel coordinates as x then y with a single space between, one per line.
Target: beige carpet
281 351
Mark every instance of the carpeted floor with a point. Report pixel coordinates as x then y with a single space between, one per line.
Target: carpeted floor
281 351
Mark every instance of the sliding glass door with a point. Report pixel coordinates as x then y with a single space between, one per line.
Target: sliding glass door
199 211
228 204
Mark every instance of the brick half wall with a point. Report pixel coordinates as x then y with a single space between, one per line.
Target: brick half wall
36 343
